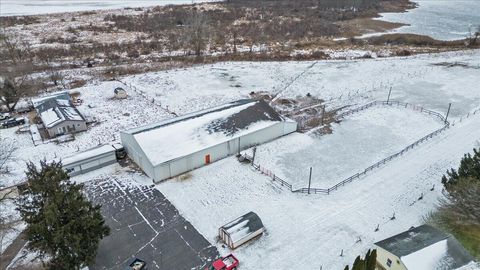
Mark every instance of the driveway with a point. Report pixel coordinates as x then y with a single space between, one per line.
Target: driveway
144 224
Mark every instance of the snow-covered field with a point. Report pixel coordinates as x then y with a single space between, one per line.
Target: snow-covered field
310 231
426 80
356 143
440 19
34 7
418 80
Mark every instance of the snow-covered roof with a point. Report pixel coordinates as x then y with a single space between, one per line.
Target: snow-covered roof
89 153
426 248
243 226
55 109
190 133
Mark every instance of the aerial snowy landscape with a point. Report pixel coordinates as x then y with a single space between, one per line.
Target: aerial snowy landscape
377 129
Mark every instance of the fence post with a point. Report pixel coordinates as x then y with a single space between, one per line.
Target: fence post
310 180
389 92
448 112
323 113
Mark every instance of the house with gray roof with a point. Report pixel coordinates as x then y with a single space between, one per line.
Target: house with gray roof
178 145
421 248
58 114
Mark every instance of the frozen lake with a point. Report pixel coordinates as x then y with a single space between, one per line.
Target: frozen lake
34 7
440 19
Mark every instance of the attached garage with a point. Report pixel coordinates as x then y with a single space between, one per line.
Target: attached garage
175 146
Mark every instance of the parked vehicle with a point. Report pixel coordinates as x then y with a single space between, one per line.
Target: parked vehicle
228 262
137 264
4 116
13 122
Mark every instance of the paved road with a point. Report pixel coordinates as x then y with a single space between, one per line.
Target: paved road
12 250
144 224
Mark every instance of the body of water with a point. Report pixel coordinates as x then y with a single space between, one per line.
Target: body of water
35 7
440 19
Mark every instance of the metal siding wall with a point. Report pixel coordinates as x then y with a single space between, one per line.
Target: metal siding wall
217 152
136 154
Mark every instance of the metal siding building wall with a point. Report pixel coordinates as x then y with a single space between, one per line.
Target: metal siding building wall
90 164
135 152
196 160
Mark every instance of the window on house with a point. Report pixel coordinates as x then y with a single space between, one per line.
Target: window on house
389 262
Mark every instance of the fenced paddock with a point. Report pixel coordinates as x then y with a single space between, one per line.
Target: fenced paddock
287 184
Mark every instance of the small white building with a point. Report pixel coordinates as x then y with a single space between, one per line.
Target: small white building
241 230
175 146
120 93
92 159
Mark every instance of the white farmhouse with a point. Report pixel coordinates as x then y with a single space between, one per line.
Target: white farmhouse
175 146
58 114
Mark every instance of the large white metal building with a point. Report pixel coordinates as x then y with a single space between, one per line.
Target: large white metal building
175 146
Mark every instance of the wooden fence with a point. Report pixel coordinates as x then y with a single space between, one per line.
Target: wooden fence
370 168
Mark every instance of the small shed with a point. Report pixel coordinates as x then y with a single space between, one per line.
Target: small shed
241 230
91 159
120 93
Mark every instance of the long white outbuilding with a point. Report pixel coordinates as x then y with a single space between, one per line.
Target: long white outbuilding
175 146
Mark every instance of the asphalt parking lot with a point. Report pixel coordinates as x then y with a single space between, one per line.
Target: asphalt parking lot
144 224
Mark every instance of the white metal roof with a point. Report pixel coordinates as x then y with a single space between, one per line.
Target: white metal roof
188 134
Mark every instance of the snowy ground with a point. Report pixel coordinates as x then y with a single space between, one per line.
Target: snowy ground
35 7
440 19
311 231
356 143
112 115
418 80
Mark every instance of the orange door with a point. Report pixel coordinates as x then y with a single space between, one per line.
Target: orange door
207 159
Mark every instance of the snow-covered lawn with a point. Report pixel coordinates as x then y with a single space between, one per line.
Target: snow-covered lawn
310 231
357 142
112 115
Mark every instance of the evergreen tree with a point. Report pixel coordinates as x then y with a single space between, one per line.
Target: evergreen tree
371 260
368 263
62 225
469 168
358 264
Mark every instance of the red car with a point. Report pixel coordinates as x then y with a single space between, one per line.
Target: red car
226 263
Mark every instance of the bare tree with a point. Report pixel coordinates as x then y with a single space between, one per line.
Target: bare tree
462 205
15 67
474 36
197 32
8 147
7 155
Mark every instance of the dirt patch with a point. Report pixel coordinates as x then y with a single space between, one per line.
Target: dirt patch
184 177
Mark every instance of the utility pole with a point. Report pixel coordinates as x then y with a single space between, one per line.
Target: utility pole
310 180
254 152
389 93
448 112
